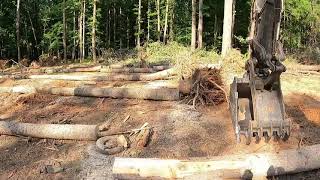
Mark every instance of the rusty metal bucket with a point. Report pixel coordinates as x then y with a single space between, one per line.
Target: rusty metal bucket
257 113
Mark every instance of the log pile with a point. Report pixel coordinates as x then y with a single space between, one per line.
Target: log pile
205 86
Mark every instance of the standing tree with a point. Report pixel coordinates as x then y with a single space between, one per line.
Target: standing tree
18 29
227 27
114 24
80 32
109 28
139 25
194 25
158 18
94 16
148 26
64 32
200 25
73 37
84 29
166 22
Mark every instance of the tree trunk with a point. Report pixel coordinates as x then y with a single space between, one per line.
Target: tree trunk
109 28
148 26
120 29
171 33
245 166
94 55
74 39
64 32
227 27
194 25
114 26
200 25
215 31
158 17
128 32
84 30
81 32
26 40
33 29
139 25
166 23
18 29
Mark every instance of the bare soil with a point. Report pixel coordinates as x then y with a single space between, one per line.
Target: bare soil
179 132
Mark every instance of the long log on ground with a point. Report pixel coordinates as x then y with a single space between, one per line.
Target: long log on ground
224 167
51 70
304 68
51 131
148 93
128 70
107 77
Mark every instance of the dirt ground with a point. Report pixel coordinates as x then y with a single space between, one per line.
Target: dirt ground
179 132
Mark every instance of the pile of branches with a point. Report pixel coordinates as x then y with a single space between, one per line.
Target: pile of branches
49 60
206 88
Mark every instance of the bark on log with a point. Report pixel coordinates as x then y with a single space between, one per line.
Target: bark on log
149 93
164 94
305 68
70 70
233 166
108 77
51 131
128 70
161 68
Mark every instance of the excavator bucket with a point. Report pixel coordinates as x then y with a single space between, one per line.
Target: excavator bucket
257 113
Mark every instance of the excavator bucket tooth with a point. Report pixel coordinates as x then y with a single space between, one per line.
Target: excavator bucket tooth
257 113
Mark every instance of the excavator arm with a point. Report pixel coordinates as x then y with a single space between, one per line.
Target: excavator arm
256 100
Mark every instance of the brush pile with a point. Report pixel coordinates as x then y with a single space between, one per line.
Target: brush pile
206 88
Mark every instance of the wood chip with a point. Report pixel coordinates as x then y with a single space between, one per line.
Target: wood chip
126 119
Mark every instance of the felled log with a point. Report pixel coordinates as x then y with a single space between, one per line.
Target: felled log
245 166
161 68
51 70
128 70
164 94
51 131
304 68
116 66
107 77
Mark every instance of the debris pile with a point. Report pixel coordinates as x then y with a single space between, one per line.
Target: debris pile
206 88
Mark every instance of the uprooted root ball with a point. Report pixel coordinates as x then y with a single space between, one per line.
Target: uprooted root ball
206 88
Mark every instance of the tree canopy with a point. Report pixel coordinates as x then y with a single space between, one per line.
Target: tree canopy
41 25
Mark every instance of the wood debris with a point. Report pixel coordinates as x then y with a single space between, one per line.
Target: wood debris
206 88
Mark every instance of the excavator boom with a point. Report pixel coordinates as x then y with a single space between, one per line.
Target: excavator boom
256 100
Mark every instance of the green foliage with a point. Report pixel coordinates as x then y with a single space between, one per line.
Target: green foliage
300 27
301 24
